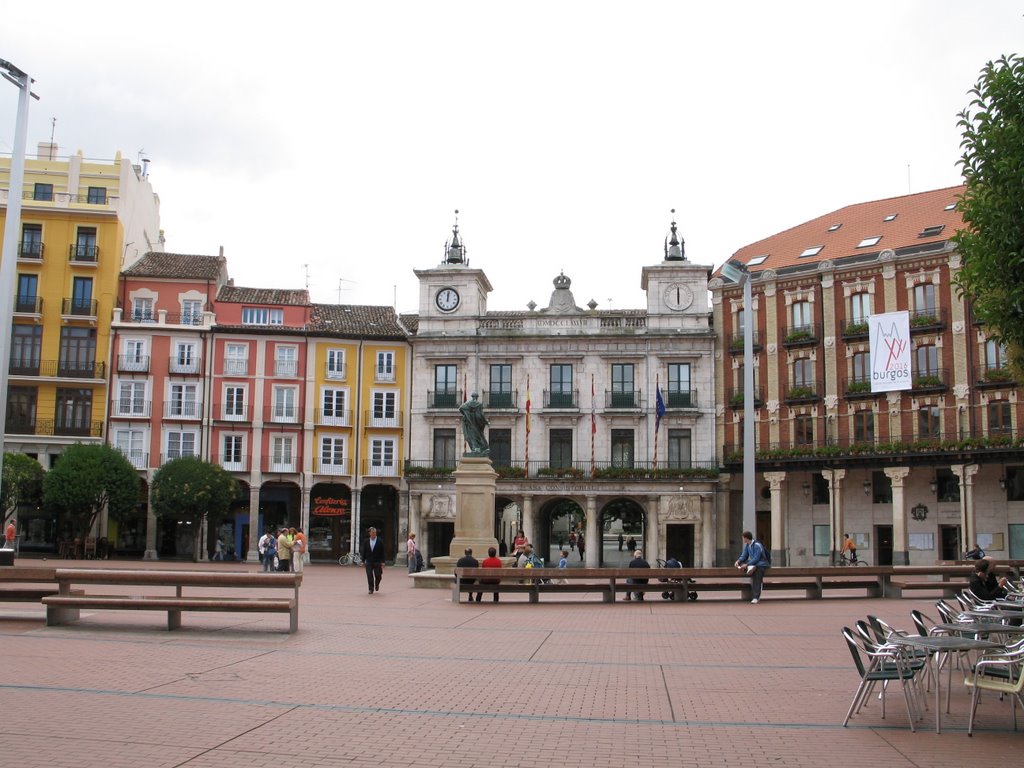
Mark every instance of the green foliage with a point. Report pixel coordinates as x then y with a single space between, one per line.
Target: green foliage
924 321
855 329
796 337
190 488
998 375
927 381
420 471
21 483
88 478
800 393
510 472
858 387
569 472
992 242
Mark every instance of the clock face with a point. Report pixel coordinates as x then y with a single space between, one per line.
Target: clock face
447 299
678 297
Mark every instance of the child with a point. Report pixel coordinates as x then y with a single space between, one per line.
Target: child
563 563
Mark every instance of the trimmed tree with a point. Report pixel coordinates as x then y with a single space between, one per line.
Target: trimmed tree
191 490
88 479
20 483
992 243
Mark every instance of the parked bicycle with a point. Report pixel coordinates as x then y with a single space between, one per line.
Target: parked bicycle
350 558
845 559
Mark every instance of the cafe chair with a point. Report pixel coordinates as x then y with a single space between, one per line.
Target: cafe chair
914 658
1002 673
884 664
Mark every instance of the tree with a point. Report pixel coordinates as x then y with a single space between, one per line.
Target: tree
20 483
992 243
192 490
88 479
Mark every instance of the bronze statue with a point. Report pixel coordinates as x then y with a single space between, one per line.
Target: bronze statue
473 423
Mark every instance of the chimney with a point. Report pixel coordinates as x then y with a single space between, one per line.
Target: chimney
47 150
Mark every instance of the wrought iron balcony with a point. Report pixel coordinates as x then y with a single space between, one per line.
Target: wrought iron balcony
801 336
74 427
547 471
631 400
79 308
238 412
562 400
81 253
183 409
189 366
501 400
336 372
235 367
30 250
28 305
854 329
857 387
331 466
386 419
75 369
682 398
736 343
935 380
995 376
282 414
130 408
333 417
232 463
133 363
925 320
286 368
444 398
801 393
735 397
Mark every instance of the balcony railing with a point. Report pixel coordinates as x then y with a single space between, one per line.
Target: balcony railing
30 250
331 466
382 419
286 368
856 387
384 374
333 417
28 305
854 329
631 400
188 366
336 372
930 381
373 468
185 318
185 409
801 393
235 412
280 464
735 397
138 459
236 367
599 470
24 367
89 254
133 363
924 320
178 454
501 400
736 343
232 463
444 398
683 398
144 316
130 408
33 426
282 414
79 308
995 376
567 400
65 369
23 425
801 336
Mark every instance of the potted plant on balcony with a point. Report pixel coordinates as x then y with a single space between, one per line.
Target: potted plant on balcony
510 472
857 387
800 393
927 381
736 345
736 400
998 374
856 329
798 335
924 320
565 472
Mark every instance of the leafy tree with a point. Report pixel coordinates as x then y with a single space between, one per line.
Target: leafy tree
992 243
20 483
87 479
191 489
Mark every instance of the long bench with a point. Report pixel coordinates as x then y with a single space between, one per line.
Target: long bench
12 580
67 604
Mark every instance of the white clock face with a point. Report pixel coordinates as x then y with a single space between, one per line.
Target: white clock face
447 299
678 297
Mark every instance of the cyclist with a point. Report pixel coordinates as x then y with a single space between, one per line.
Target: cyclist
849 546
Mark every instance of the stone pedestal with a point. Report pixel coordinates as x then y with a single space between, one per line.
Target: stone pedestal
475 483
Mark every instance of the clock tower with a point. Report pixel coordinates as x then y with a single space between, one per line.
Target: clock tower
677 290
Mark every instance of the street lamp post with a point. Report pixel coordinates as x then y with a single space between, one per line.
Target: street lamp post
12 228
737 273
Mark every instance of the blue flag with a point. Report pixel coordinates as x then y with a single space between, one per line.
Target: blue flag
659 408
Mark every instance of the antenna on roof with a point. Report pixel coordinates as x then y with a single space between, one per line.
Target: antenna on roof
340 289
53 128
306 268
909 190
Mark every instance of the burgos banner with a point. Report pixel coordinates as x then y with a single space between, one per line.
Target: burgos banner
890 351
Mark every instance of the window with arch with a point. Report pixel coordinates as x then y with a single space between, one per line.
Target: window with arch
800 315
995 355
860 307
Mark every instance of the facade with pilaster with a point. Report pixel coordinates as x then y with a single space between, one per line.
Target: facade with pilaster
914 476
576 433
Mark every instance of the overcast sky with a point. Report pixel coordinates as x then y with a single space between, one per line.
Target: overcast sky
343 135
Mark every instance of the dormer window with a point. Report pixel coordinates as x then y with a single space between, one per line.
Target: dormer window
262 316
757 260
814 250
869 241
891 217
932 231
834 228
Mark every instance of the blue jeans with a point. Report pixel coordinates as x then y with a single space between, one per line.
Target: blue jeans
756 580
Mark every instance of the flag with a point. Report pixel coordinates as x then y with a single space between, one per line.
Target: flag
593 408
659 408
527 404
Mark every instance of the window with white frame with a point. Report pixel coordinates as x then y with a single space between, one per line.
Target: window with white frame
181 443
186 357
679 448
262 316
183 400
384 408
800 316
332 455
382 456
191 312
860 307
131 399
286 361
285 403
995 355
135 357
236 359
924 299
142 310
234 403
333 406
282 453
132 442
385 366
233 452
336 364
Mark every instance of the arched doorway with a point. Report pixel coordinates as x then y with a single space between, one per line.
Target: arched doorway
330 521
562 521
379 509
279 505
508 519
232 530
622 521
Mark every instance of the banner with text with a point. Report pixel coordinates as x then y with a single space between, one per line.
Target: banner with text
890 351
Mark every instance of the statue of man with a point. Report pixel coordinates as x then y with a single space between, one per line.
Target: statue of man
473 423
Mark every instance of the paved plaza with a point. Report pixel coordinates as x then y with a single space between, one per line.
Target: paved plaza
406 678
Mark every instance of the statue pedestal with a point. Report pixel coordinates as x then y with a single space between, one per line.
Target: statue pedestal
475 483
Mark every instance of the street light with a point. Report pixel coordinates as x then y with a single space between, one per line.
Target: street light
736 272
12 227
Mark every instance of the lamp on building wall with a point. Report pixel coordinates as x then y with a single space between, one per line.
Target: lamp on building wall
919 512
806 489
1002 480
867 487
934 484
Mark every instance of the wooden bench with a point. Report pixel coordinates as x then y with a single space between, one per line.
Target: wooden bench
66 605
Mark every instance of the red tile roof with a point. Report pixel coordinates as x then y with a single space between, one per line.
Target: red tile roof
277 296
914 215
356 321
182 266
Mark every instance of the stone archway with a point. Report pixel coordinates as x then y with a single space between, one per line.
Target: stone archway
626 518
559 522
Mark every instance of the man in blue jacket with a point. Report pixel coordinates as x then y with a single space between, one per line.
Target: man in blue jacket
753 558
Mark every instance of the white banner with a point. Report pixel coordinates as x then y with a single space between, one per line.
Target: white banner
890 351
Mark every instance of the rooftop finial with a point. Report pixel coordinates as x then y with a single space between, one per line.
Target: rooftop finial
675 246
454 252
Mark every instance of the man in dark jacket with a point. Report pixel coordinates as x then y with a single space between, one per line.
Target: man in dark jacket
468 561
637 562
372 553
984 583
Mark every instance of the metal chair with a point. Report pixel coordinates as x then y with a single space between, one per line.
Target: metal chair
885 664
999 672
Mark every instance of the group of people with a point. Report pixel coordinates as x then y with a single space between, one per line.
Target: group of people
283 549
491 561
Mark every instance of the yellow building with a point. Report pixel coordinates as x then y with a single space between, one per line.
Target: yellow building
82 221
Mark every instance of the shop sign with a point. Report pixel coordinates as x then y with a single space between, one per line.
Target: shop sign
330 506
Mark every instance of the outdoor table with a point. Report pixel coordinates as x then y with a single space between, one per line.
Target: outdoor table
1009 605
943 644
995 615
980 628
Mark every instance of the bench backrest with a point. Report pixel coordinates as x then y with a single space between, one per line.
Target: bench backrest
178 578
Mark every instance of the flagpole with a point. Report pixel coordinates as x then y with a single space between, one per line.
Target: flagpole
657 419
593 424
526 461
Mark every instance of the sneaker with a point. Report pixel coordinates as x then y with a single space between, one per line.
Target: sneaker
750 569
754 600
627 598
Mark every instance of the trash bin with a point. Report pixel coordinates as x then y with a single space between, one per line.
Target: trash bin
6 557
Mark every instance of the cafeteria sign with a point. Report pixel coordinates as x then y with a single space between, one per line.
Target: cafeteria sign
330 506
890 351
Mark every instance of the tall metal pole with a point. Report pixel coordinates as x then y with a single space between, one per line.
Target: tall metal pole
749 515
12 232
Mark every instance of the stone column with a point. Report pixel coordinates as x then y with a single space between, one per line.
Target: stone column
779 547
527 519
900 548
357 510
414 520
303 508
651 551
254 525
837 527
968 523
150 553
593 553
723 514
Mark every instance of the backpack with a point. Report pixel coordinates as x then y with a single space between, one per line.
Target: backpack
419 561
765 554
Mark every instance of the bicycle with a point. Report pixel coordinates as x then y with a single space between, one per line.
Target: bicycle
851 560
350 558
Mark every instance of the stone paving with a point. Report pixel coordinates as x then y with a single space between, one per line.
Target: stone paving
406 678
